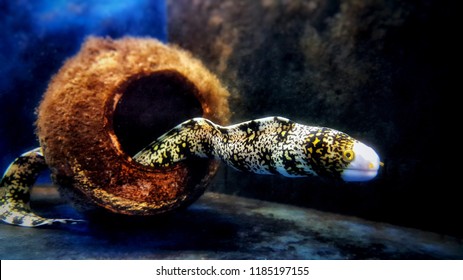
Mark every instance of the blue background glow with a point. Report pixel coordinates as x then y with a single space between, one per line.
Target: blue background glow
37 37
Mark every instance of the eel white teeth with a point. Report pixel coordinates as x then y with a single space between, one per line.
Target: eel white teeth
272 145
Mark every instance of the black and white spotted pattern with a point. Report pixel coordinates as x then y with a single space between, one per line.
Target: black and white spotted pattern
272 145
15 191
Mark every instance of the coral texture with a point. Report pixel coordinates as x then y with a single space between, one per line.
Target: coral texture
75 126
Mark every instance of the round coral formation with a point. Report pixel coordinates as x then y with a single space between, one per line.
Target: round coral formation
86 103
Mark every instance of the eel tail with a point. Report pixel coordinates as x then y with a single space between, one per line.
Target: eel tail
15 191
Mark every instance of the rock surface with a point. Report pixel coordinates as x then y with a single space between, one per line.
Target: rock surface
222 226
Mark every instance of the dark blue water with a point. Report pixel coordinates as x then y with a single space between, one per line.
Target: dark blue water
380 71
37 37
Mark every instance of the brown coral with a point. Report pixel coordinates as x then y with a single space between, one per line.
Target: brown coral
85 104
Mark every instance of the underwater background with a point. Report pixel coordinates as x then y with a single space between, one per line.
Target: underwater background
379 70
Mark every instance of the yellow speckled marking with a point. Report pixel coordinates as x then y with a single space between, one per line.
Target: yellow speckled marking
272 145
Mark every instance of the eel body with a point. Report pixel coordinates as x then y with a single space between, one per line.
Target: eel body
15 191
272 145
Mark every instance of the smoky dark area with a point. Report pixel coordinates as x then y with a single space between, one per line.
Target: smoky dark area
152 105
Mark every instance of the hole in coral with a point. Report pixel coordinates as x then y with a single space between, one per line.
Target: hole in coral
151 105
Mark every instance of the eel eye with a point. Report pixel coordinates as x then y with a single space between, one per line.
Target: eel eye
348 155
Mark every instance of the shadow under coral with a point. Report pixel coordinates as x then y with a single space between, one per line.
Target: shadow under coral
220 226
